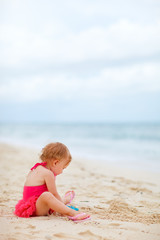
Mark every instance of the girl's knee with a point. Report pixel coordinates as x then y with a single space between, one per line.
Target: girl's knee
46 196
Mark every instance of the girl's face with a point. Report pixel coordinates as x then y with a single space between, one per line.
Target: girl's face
59 165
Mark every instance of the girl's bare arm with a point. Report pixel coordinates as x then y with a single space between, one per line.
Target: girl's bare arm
50 182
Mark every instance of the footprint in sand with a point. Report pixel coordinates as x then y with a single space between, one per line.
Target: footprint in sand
145 190
65 236
31 226
47 237
11 238
91 236
114 224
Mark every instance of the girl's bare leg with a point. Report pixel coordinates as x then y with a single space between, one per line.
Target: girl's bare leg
47 201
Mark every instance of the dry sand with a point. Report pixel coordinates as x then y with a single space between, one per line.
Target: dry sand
123 204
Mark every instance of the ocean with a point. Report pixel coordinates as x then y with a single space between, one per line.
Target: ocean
135 145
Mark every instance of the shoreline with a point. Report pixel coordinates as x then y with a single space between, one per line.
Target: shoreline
123 204
121 165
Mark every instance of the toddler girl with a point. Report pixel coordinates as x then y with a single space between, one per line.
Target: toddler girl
40 196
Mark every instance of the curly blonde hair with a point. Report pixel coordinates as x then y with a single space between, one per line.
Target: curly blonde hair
55 150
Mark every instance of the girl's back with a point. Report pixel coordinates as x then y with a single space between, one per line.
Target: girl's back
36 176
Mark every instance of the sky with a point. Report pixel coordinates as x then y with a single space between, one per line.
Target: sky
85 61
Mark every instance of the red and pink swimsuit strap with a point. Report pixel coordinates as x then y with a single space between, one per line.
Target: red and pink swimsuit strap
39 164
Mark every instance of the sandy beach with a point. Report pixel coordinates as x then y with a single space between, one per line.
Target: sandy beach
123 204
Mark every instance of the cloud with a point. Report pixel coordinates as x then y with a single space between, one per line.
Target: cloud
120 40
86 52
135 78
110 82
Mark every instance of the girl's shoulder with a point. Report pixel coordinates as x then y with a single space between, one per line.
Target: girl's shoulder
42 171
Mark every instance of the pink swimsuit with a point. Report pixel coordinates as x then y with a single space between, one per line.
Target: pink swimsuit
26 207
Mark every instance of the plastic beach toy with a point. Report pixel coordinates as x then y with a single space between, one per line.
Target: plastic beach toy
73 207
71 194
